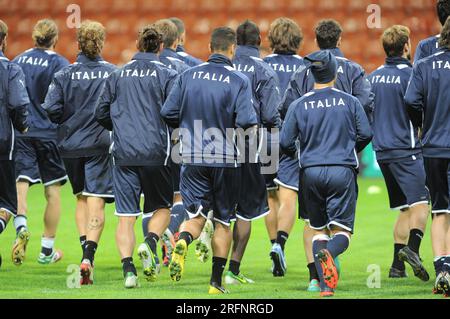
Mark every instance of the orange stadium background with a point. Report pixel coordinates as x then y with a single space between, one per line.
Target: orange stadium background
122 19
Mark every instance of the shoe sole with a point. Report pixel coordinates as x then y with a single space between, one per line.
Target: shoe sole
277 266
327 294
132 286
443 287
51 261
85 273
202 252
176 266
418 269
329 270
149 271
19 248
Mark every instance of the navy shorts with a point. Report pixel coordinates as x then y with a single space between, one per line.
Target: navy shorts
438 181
8 191
206 189
130 182
39 161
91 176
253 198
328 196
405 182
175 169
288 173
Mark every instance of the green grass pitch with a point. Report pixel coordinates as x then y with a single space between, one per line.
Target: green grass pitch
371 245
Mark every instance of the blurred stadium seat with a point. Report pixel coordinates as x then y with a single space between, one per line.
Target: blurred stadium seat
123 18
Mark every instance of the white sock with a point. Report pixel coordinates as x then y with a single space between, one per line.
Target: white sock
47 242
20 221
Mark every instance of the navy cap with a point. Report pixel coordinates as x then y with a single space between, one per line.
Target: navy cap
323 66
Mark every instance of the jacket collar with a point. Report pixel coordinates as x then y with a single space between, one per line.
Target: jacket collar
219 59
2 56
337 52
397 61
180 48
81 58
146 56
247 50
169 53
281 52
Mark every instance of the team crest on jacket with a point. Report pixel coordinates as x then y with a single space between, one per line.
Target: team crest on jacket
216 77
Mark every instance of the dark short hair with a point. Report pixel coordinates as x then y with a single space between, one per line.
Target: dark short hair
179 24
248 34
328 33
222 39
394 40
443 10
149 39
444 40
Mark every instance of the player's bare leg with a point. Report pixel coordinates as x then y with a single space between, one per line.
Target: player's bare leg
95 225
241 235
157 225
401 234
126 241
271 220
286 220
221 244
20 223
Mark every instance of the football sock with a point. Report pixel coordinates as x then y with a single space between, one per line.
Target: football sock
218 265
446 264
83 242
187 237
152 241
234 267
313 271
47 245
145 221
397 263
128 266
282 237
415 238
338 244
272 241
319 242
20 221
89 250
177 217
438 264
2 225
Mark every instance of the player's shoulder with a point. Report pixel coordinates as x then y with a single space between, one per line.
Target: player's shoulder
428 41
425 62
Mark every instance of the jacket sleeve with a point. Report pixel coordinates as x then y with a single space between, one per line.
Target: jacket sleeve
269 96
292 93
415 97
363 129
18 99
289 133
421 52
103 107
54 100
244 109
362 90
171 108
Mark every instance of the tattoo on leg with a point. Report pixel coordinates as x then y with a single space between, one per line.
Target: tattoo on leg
94 223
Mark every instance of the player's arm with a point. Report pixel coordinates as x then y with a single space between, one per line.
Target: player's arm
292 93
244 109
415 97
269 95
170 111
421 52
18 99
362 90
54 100
363 129
289 133
103 107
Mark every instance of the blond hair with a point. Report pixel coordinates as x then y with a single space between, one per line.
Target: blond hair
91 38
168 30
285 35
394 40
3 31
45 33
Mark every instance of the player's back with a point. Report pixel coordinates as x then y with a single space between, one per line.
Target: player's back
427 47
284 66
39 67
171 59
330 124
394 134
429 88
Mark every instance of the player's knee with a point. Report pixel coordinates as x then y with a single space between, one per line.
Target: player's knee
52 193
